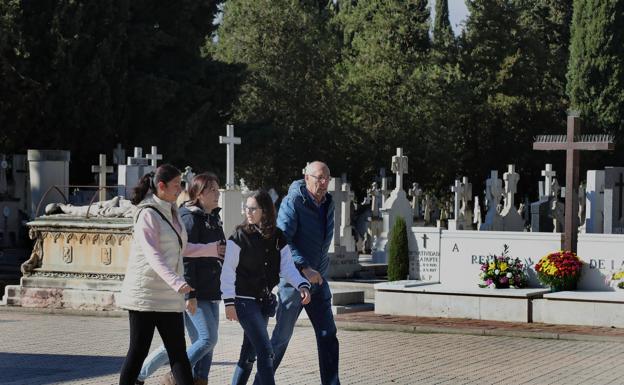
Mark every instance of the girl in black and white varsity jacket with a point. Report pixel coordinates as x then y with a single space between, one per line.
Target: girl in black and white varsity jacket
255 256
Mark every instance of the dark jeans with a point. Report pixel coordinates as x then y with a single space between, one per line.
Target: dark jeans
320 314
254 319
170 326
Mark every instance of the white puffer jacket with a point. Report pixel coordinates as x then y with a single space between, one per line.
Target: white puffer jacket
143 289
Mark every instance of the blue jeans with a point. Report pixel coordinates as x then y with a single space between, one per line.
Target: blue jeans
320 314
203 329
254 321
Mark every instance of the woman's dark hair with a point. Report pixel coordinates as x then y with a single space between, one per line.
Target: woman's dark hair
198 185
267 222
164 173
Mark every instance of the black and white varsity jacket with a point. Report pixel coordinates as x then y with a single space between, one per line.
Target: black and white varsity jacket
253 264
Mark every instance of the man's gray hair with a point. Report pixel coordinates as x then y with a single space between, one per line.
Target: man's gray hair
313 165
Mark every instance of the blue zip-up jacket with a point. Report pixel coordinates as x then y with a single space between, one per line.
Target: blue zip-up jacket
299 219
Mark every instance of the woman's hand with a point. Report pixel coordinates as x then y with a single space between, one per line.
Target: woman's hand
185 289
230 313
305 295
191 305
221 250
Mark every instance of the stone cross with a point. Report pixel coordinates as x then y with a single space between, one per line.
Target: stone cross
493 189
154 156
511 178
375 195
415 192
573 143
548 175
230 140
458 189
4 165
399 167
102 169
119 154
187 177
137 159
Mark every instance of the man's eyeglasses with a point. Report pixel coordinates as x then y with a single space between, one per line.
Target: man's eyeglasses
321 179
251 209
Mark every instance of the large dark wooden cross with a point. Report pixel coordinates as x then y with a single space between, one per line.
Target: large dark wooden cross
572 143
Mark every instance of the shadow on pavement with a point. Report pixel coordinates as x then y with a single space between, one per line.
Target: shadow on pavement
23 368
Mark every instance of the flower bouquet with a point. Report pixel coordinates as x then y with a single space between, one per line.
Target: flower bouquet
503 271
560 270
617 280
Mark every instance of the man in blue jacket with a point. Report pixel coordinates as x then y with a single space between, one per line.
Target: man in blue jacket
306 216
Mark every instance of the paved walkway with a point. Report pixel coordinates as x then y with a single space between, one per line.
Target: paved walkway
68 349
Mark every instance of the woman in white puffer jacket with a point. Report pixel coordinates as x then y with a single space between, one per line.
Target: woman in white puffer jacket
153 288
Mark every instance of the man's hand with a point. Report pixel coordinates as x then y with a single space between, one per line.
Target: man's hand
230 313
191 305
185 289
313 276
305 295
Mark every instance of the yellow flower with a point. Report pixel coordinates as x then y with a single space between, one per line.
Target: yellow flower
503 266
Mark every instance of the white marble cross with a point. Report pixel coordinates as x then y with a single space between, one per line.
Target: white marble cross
511 178
137 159
375 195
102 169
230 140
399 167
119 154
458 190
549 174
154 156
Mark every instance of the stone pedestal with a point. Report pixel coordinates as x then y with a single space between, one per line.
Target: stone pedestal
231 203
47 168
75 263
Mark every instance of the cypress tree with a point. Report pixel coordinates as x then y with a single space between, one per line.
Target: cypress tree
596 67
442 31
398 251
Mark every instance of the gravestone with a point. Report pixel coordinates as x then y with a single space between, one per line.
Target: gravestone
540 210
463 216
230 199
493 194
396 205
129 174
614 200
476 213
512 221
343 259
47 168
594 201
154 157
415 192
101 170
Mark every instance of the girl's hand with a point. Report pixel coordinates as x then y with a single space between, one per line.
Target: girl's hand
191 305
230 313
185 289
305 295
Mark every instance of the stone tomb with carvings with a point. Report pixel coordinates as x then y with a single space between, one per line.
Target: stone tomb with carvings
76 263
